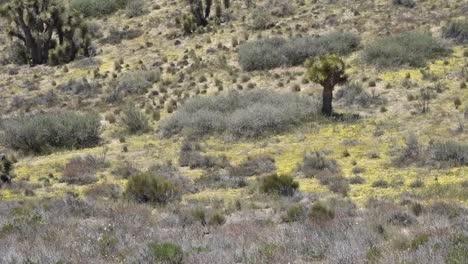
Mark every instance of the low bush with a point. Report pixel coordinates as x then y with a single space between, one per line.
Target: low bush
294 213
167 253
134 120
82 170
316 164
401 218
254 166
135 8
456 30
265 54
260 19
137 82
117 35
281 185
247 114
319 213
405 3
190 155
95 8
149 188
354 94
451 153
409 48
40 133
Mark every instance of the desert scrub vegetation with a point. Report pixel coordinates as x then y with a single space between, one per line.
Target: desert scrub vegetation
41 133
404 3
167 252
279 184
240 114
160 184
45 31
265 54
409 48
96 8
353 93
134 120
82 170
131 83
456 30
447 153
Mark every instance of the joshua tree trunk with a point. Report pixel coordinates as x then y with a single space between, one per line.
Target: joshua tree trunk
327 108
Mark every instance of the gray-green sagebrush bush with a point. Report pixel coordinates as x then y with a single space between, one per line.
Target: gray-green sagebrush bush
236 115
410 48
271 53
41 133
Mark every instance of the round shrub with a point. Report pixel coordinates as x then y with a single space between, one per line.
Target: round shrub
149 188
282 185
409 48
167 253
40 133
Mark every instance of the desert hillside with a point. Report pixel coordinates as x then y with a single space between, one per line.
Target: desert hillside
233 131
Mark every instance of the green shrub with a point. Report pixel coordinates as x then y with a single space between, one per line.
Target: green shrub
409 48
240 114
451 152
135 8
405 3
117 35
294 213
166 253
40 133
456 30
265 54
281 185
95 8
152 188
261 19
458 252
320 213
134 120
316 164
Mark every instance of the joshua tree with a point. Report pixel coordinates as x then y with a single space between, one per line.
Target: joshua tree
46 30
328 71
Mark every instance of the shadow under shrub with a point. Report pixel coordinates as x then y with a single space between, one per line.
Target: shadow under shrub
41 133
409 48
247 114
271 53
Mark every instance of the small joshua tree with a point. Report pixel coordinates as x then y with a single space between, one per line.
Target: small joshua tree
47 30
327 70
